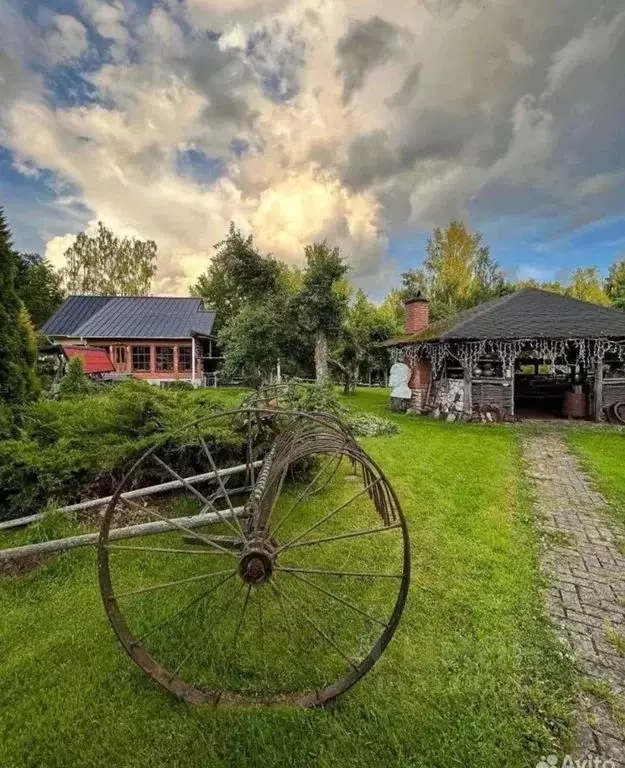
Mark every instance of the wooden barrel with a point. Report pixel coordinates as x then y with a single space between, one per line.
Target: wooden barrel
575 405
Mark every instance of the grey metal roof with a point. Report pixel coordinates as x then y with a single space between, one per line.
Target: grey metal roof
130 317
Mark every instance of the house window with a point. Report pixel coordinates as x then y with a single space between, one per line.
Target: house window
119 355
140 358
164 358
184 359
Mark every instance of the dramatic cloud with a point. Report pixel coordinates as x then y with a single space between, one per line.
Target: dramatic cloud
305 119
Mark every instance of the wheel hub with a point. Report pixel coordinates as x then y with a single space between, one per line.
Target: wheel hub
256 566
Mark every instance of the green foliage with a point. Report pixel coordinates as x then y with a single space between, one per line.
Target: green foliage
356 352
74 383
458 272
254 339
313 398
368 425
108 265
7 421
80 447
586 284
238 275
39 286
17 347
615 284
323 298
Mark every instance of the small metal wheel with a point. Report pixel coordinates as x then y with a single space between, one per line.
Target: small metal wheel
277 583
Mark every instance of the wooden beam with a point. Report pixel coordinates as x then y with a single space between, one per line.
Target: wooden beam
150 490
132 531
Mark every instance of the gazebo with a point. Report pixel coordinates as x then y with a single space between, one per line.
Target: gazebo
530 353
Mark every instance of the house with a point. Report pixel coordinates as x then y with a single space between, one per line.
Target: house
155 338
530 353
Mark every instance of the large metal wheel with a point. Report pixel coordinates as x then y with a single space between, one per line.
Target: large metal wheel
293 592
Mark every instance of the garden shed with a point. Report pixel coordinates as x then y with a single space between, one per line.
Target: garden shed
531 353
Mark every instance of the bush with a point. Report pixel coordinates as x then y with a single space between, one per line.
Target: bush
367 425
74 383
81 447
315 398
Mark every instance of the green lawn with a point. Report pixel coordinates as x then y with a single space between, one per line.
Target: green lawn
473 677
602 452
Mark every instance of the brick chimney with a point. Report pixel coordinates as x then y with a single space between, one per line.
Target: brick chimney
416 314
417 319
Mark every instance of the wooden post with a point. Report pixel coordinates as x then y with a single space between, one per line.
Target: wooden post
468 393
598 389
512 390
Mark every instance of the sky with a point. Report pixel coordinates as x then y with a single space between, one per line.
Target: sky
365 122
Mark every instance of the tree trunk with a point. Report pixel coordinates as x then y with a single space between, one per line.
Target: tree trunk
321 357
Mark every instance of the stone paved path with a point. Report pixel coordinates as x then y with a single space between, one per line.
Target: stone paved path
586 593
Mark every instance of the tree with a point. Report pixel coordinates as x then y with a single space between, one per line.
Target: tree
237 275
18 350
107 265
615 284
253 341
553 286
586 284
323 300
74 383
458 272
39 286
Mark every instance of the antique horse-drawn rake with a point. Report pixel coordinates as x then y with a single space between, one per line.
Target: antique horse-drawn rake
295 590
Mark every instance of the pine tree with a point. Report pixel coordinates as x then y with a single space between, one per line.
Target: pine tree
17 353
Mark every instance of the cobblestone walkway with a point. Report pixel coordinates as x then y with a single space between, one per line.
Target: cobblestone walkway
586 594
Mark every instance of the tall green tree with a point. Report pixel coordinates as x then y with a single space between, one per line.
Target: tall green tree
237 275
615 284
106 264
458 272
323 300
586 284
18 350
39 286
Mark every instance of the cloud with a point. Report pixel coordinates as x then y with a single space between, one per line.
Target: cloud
344 119
67 40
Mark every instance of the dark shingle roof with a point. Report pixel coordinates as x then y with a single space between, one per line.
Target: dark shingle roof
527 314
130 317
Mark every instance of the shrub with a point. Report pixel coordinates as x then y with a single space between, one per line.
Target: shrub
368 425
319 398
74 383
82 446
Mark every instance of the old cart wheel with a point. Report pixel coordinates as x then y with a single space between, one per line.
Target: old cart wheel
294 591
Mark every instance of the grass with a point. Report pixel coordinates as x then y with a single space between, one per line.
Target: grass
602 452
473 677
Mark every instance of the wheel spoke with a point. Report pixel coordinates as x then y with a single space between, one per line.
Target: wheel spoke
338 598
330 514
354 534
168 584
207 504
123 547
238 528
183 528
198 641
195 601
302 496
310 621
359 574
